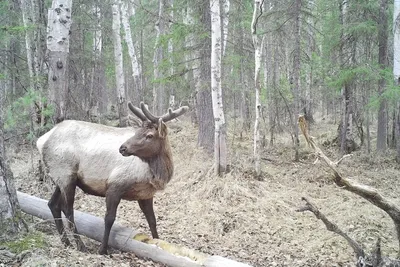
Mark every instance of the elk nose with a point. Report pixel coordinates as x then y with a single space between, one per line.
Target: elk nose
122 149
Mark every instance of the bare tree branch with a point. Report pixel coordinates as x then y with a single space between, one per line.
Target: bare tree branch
332 227
369 193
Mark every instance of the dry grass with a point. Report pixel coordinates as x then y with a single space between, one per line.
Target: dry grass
245 219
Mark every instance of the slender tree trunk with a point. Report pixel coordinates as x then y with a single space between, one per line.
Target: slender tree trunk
119 71
245 98
136 70
202 83
258 45
381 144
396 67
10 217
58 31
308 101
95 88
220 153
296 78
225 6
158 86
39 65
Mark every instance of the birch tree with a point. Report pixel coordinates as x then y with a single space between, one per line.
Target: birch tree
158 87
136 69
58 31
220 153
396 66
171 100
225 22
27 18
258 44
119 71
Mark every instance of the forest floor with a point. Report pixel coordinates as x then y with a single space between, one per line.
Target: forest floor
238 216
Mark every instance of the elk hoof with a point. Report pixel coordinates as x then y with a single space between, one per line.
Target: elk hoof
103 251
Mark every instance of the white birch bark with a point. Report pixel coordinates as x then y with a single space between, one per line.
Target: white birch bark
158 88
189 20
258 44
225 21
170 54
58 30
220 153
136 69
119 71
97 33
396 41
27 17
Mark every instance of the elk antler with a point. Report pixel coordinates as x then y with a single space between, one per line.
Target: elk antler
137 112
167 117
174 114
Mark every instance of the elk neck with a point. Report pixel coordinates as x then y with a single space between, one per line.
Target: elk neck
162 165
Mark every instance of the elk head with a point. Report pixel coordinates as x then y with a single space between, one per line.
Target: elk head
151 139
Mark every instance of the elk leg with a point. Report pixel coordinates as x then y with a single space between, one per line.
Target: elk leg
69 214
55 208
146 205
112 201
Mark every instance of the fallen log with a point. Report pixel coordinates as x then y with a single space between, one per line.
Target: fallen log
129 240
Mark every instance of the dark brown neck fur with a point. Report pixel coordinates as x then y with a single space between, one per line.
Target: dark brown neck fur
162 165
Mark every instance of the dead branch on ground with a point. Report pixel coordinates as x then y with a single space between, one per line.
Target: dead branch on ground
331 226
368 193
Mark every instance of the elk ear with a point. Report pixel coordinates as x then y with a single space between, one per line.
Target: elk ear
162 129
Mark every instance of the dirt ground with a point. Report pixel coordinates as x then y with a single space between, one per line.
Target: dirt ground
238 216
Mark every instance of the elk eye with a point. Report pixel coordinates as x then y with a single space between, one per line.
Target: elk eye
149 136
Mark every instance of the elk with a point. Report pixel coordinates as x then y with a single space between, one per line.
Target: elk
115 163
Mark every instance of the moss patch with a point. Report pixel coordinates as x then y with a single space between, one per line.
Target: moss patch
29 241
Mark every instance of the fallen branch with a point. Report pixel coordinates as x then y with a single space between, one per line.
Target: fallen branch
332 227
127 239
369 193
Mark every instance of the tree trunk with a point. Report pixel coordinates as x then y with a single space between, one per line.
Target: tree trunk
58 31
382 60
96 84
158 86
258 45
396 67
220 153
244 88
171 86
136 70
308 101
119 71
10 217
225 6
202 83
296 78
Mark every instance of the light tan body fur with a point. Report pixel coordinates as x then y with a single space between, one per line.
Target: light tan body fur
89 153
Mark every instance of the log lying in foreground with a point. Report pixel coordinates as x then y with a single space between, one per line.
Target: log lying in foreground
127 239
